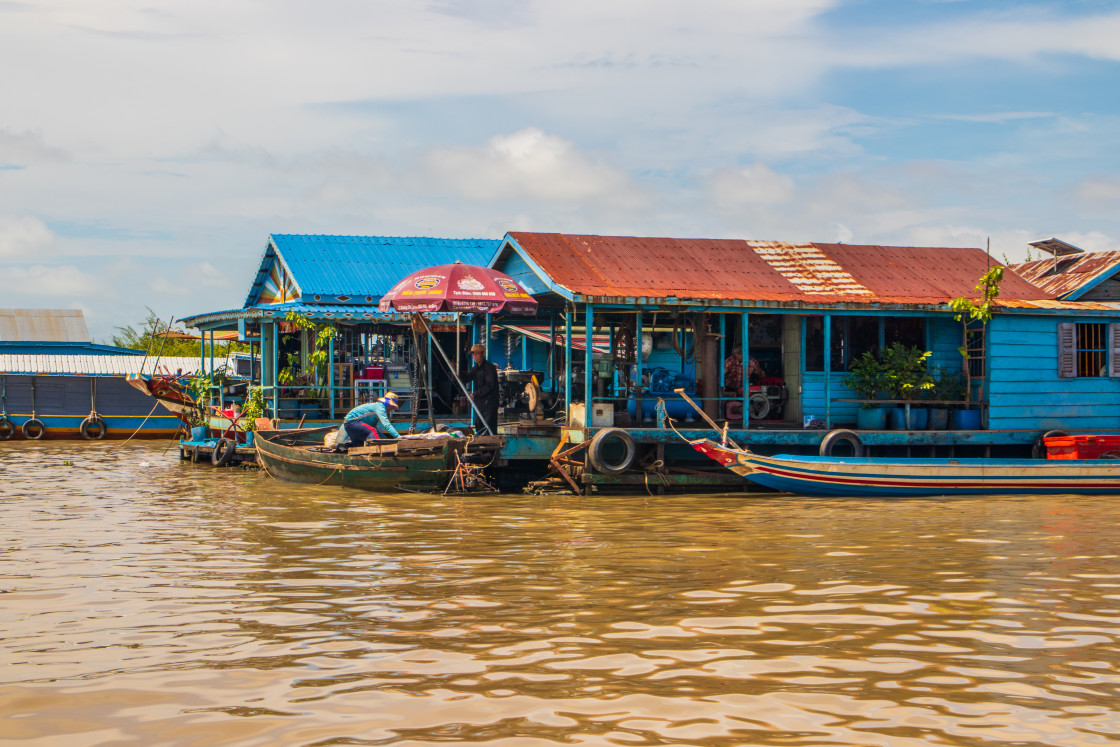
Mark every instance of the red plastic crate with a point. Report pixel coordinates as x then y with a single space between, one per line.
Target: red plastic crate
1081 447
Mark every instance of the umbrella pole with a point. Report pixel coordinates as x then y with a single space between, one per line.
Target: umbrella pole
455 374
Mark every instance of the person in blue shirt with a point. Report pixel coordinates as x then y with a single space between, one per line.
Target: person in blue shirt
371 420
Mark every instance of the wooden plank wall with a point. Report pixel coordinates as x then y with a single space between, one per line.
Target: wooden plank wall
1026 392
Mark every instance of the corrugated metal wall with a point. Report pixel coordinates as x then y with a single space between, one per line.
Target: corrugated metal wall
1026 392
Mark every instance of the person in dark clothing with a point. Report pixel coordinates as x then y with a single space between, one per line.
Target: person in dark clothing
484 376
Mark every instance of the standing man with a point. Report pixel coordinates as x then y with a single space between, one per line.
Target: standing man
370 421
484 376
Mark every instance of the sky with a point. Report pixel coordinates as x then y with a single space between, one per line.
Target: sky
148 149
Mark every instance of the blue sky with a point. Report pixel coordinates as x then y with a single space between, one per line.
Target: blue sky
147 150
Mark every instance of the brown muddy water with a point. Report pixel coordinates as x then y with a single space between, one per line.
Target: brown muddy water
148 601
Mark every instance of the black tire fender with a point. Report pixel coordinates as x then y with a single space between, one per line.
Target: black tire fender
223 452
93 428
196 455
33 429
7 428
1038 451
841 435
595 451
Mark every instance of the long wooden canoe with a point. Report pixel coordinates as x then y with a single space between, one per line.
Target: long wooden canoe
298 455
895 478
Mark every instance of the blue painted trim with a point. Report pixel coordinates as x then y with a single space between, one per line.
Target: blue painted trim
1077 293
828 369
568 358
589 359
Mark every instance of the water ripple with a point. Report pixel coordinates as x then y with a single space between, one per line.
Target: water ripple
149 601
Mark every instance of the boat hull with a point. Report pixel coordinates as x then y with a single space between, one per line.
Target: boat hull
901 478
61 402
285 455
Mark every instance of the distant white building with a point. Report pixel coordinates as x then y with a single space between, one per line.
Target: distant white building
43 325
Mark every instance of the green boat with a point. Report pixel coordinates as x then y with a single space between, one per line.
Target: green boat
415 463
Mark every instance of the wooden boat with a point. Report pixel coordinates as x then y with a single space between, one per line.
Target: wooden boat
897 478
95 405
298 455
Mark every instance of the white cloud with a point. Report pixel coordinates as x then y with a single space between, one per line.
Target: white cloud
21 149
1100 191
1022 35
529 164
995 117
750 185
23 238
48 280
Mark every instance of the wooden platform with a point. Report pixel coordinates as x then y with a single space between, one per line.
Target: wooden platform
202 452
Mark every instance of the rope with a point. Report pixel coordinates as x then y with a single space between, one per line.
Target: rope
145 420
669 421
655 468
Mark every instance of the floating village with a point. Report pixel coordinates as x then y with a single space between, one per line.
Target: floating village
576 363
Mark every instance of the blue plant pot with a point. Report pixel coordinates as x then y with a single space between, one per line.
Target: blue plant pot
938 419
919 418
897 419
249 438
198 433
871 418
966 420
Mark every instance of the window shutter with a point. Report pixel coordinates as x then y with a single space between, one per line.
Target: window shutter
1114 350
1067 350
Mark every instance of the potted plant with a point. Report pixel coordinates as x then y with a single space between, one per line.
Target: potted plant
971 313
198 417
866 377
252 409
906 379
947 387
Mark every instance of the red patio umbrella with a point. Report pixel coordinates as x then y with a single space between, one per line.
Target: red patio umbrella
459 287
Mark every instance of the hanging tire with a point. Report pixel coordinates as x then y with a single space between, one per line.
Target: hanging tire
841 436
596 451
196 455
33 429
93 428
7 428
223 452
1038 451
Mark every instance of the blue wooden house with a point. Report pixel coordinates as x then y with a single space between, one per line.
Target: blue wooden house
337 280
805 312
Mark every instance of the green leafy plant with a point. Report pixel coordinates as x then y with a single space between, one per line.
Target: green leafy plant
199 389
866 377
253 408
948 386
905 372
976 311
314 382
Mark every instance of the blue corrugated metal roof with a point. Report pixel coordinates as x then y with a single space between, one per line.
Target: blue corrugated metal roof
276 312
53 347
340 269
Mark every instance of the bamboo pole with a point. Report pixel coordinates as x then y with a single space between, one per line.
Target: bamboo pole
704 415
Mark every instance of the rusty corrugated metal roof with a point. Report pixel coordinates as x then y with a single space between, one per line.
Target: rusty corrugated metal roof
1062 275
622 267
